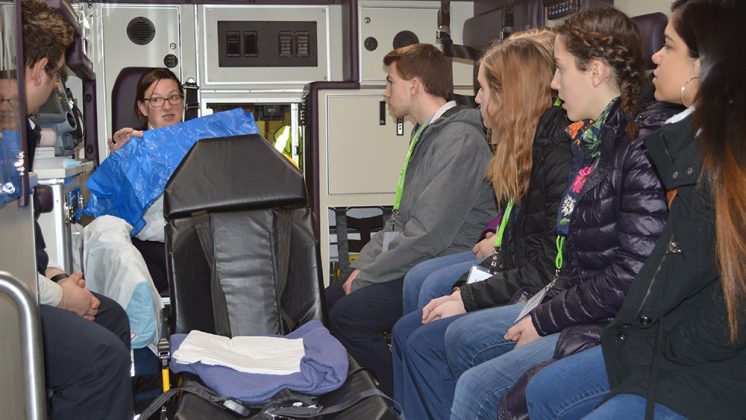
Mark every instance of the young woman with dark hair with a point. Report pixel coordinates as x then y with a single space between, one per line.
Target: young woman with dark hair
159 102
676 348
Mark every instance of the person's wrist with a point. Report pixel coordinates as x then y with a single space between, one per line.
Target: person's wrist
60 276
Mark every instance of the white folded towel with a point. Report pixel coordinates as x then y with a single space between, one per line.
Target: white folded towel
267 355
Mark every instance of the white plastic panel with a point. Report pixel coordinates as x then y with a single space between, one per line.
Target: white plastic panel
112 49
382 20
120 52
214 76
359 159
364 157
637 7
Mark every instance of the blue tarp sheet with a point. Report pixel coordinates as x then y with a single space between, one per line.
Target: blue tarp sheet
10 178
132 178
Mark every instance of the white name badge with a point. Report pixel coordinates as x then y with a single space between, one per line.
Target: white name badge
387 238
478 273
532 303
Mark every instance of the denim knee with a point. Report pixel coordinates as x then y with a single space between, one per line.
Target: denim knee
475 397
479 336
405 327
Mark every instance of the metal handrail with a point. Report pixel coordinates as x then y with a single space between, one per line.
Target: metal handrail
32 344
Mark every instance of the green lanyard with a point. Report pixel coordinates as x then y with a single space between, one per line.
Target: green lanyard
558 260
503 224
496 256
403 170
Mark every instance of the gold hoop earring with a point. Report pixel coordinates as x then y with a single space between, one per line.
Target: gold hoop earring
683 88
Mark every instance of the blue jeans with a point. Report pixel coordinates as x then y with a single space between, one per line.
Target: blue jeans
434 278
428 359
485 364
550 395
422 383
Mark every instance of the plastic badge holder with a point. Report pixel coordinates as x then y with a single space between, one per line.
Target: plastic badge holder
478 273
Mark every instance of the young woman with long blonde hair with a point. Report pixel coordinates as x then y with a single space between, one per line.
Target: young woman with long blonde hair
529 175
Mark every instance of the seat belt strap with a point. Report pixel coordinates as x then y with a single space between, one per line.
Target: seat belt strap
203 227
191 99
284 229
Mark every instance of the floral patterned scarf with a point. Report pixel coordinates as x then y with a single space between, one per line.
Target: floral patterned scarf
586 149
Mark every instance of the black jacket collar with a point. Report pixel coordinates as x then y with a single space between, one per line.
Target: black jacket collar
676 154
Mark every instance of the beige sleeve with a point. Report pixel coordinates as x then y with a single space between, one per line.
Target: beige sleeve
50 293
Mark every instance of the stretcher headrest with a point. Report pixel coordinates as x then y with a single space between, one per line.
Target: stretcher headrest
233 173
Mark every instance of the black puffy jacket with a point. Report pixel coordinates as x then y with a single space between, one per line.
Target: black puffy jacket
617 220
529 237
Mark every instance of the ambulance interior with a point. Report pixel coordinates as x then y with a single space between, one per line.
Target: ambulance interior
311 74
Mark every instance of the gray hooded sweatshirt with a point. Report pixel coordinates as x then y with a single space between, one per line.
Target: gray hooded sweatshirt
445 204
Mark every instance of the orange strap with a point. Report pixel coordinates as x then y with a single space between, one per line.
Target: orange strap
670 195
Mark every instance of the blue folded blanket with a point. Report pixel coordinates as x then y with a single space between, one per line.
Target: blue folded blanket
131 179
323 369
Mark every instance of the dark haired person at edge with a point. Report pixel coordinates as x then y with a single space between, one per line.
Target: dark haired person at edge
676 349
86 336
442 203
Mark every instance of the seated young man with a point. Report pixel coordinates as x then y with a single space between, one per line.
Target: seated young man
85 336
442 203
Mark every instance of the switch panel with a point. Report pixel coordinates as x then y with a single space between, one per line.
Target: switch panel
250 44
267 44
556 9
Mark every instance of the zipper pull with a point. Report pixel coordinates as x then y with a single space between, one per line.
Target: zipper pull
554 280
493 263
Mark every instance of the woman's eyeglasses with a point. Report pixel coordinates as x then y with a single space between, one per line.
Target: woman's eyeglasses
158 101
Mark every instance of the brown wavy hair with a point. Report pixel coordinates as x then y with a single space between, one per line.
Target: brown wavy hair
719 109
45 34
519 73
543 36
606 33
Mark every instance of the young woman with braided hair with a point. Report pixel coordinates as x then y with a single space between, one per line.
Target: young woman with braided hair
609 220
677 348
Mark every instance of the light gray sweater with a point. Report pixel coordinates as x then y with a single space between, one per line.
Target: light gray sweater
445 204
